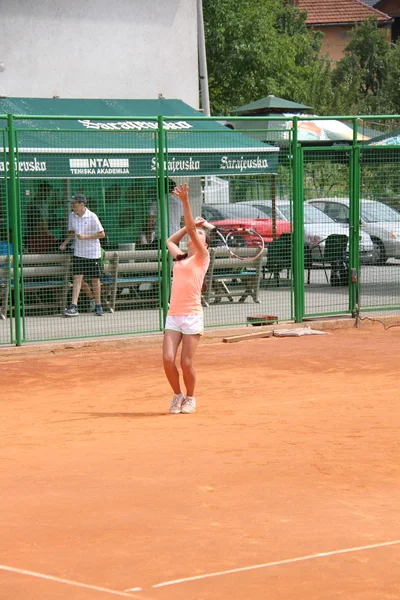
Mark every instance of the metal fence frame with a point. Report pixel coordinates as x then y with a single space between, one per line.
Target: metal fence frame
297 156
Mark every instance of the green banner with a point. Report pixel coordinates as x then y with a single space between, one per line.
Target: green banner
64 166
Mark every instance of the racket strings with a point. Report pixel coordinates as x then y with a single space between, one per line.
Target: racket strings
241 243
245 244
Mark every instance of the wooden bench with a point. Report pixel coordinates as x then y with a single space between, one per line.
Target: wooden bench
231 277
45 283
130 270
47 279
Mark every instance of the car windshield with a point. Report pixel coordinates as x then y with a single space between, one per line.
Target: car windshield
210 213
312 214
240 211
266 210
377 212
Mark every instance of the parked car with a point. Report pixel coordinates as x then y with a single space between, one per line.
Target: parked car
317 226
379 220
227 218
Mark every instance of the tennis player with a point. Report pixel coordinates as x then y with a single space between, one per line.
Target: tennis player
184 323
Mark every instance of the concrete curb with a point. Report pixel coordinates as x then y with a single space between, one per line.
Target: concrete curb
211 336
33 349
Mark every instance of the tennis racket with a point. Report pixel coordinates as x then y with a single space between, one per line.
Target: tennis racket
244 244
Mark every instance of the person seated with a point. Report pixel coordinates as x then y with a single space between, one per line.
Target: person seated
41 240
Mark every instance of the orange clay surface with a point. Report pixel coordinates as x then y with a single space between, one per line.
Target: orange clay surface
294 452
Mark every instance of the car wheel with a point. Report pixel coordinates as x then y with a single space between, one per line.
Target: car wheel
379 253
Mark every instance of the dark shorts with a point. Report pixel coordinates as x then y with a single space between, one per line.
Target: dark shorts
88 267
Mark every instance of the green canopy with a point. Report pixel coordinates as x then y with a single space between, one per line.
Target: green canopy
90 147
269 105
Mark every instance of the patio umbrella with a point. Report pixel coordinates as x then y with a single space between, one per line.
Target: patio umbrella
324 130
278 131
310 130
388 139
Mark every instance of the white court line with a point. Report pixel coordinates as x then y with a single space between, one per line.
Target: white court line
276 563
67 581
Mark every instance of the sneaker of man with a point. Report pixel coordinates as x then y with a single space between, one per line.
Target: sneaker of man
72 311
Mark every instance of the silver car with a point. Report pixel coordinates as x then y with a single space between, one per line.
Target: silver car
380 221
317 225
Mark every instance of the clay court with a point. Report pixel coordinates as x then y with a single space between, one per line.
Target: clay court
284 485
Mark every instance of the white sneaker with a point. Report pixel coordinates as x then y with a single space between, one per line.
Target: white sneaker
176 404
189 405
92 305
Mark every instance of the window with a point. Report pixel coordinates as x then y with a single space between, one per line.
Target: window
375 212
337 212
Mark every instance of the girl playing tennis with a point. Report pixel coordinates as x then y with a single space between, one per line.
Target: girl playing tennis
184 322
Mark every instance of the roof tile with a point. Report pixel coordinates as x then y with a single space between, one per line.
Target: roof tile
330 12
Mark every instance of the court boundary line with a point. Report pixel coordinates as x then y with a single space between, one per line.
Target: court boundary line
66 581
277 563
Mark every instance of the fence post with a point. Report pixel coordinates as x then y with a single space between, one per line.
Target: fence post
298 226
163 219
354 241
15 230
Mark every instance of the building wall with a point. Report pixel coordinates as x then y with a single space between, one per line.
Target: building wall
99 49
336 39
392 8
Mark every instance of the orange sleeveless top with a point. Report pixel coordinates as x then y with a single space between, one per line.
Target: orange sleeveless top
187 281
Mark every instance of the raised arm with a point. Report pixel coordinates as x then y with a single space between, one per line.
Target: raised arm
182 192
175 238
173 241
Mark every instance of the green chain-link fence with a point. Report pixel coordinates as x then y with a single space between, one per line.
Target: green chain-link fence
379 206
5 240
327 213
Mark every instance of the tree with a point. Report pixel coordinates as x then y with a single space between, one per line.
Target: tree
360 76
259 48
391 87
264 47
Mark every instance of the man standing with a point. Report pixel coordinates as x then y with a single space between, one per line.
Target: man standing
85 227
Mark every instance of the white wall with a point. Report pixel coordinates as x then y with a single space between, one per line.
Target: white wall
99 49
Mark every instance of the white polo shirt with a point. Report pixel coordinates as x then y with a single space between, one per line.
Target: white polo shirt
87 223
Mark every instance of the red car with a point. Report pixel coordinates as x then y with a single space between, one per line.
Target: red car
228 217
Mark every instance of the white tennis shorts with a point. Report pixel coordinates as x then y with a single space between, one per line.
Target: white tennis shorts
189 325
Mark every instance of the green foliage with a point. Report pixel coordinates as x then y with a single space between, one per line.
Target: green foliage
264 47
391 87
317 91
366 57
255 49
325 177
361 75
